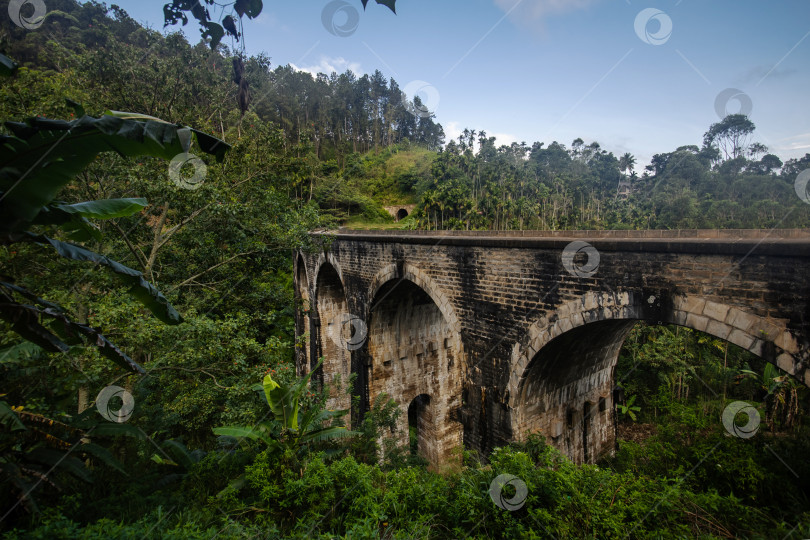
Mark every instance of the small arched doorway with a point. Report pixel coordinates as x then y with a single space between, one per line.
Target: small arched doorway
420 427
401 214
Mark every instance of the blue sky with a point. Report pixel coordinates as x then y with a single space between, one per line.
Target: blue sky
544 70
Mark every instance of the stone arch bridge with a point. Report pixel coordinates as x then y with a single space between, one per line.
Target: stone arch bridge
483 337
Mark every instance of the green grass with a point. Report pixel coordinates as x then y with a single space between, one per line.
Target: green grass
360 223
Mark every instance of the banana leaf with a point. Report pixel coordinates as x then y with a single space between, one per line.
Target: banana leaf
140 289
43 155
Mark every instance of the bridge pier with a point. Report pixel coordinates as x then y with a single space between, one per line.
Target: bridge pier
415 356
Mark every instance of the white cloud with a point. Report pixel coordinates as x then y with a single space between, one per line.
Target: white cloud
795 146
533 11
451 131
803 136
503 138
794 142
329 64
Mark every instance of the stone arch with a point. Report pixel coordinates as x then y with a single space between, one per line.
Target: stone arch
332 315
415 275
401 214
726 322
588 380
415 350
301 269
327 258
303 320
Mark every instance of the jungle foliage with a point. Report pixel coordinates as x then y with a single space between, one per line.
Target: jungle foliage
312 152
474 185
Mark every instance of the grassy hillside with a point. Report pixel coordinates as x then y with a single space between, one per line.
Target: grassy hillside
356 195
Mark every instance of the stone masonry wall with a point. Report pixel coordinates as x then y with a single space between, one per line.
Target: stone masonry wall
332 335
505 299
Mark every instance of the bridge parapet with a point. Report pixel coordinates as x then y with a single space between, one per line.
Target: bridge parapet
699 234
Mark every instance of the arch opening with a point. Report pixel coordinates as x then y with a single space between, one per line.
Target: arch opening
415 360
332 310
568 391
401 214
562 383
704 371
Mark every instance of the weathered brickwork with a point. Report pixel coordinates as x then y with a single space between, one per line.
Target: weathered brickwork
332 307
414 352
501 340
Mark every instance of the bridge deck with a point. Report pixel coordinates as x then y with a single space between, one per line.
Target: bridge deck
793 242
703 234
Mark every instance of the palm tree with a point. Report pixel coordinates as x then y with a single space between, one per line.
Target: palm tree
781 395
627 162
